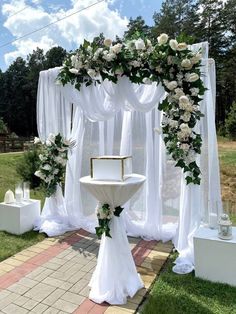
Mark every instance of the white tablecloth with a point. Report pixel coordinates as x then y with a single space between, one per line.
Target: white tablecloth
115 277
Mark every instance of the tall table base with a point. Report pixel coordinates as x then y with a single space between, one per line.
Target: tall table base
115 277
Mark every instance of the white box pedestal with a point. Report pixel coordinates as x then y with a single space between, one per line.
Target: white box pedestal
18 218
215 259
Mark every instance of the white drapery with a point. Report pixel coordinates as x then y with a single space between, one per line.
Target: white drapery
120 119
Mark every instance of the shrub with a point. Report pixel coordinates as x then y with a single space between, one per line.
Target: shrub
230 122
3 126
28 165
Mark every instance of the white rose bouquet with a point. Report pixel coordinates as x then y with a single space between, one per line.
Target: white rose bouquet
53 158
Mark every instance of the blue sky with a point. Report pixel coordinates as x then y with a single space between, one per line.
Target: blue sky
18 17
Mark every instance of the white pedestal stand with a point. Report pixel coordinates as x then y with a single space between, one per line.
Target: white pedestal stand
115 277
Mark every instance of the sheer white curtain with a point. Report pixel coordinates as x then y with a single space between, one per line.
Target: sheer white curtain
53 116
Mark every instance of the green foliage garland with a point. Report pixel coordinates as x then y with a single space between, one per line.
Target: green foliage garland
144 62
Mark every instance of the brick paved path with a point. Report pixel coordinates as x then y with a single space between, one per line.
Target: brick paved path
52 276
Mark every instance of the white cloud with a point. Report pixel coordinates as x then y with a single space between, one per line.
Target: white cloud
68 33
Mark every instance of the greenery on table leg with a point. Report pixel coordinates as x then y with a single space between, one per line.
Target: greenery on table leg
105 214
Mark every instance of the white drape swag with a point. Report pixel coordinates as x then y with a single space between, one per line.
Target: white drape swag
120 118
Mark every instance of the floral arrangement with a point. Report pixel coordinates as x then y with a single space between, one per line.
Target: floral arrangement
167 61
105 213
53 158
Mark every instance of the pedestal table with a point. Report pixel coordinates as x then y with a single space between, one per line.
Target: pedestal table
115 277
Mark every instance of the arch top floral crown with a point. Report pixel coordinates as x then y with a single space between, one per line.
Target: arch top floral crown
144 62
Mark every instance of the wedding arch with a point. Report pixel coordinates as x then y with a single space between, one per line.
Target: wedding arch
106 98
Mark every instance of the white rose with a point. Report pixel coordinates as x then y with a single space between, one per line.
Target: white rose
173 123
194 91
74 71
47 167
185 147
147 81
186 116
107 42
37 140
159 69
38 173
135 63
149 43
186 63
73 60
51 137
116 48
183 100
109 56
172 85
185 128
170 60
193 77
195 59
178 93
139 44
92 73
191 156
162 39
173 44
182 46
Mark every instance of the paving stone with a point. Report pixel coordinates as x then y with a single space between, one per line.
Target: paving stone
65 306
21 257
21 300
72 297
51 266
36 272
89 266
51 310
76 277
13 262
40 292
17 288
58 261
85 291
57 283
43 275
30 304
5 267
4 294
8 299
87 276
27 282
13 308
76 288
117 310
40 308
53 297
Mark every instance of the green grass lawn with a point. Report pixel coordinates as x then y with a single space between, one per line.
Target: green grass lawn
185 294
11 244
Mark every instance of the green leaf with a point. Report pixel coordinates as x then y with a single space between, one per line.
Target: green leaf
118 211
189 179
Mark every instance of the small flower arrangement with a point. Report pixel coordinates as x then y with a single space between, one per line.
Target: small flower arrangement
53 158
105 213
144 62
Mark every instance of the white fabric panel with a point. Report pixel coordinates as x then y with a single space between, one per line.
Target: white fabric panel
53 116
